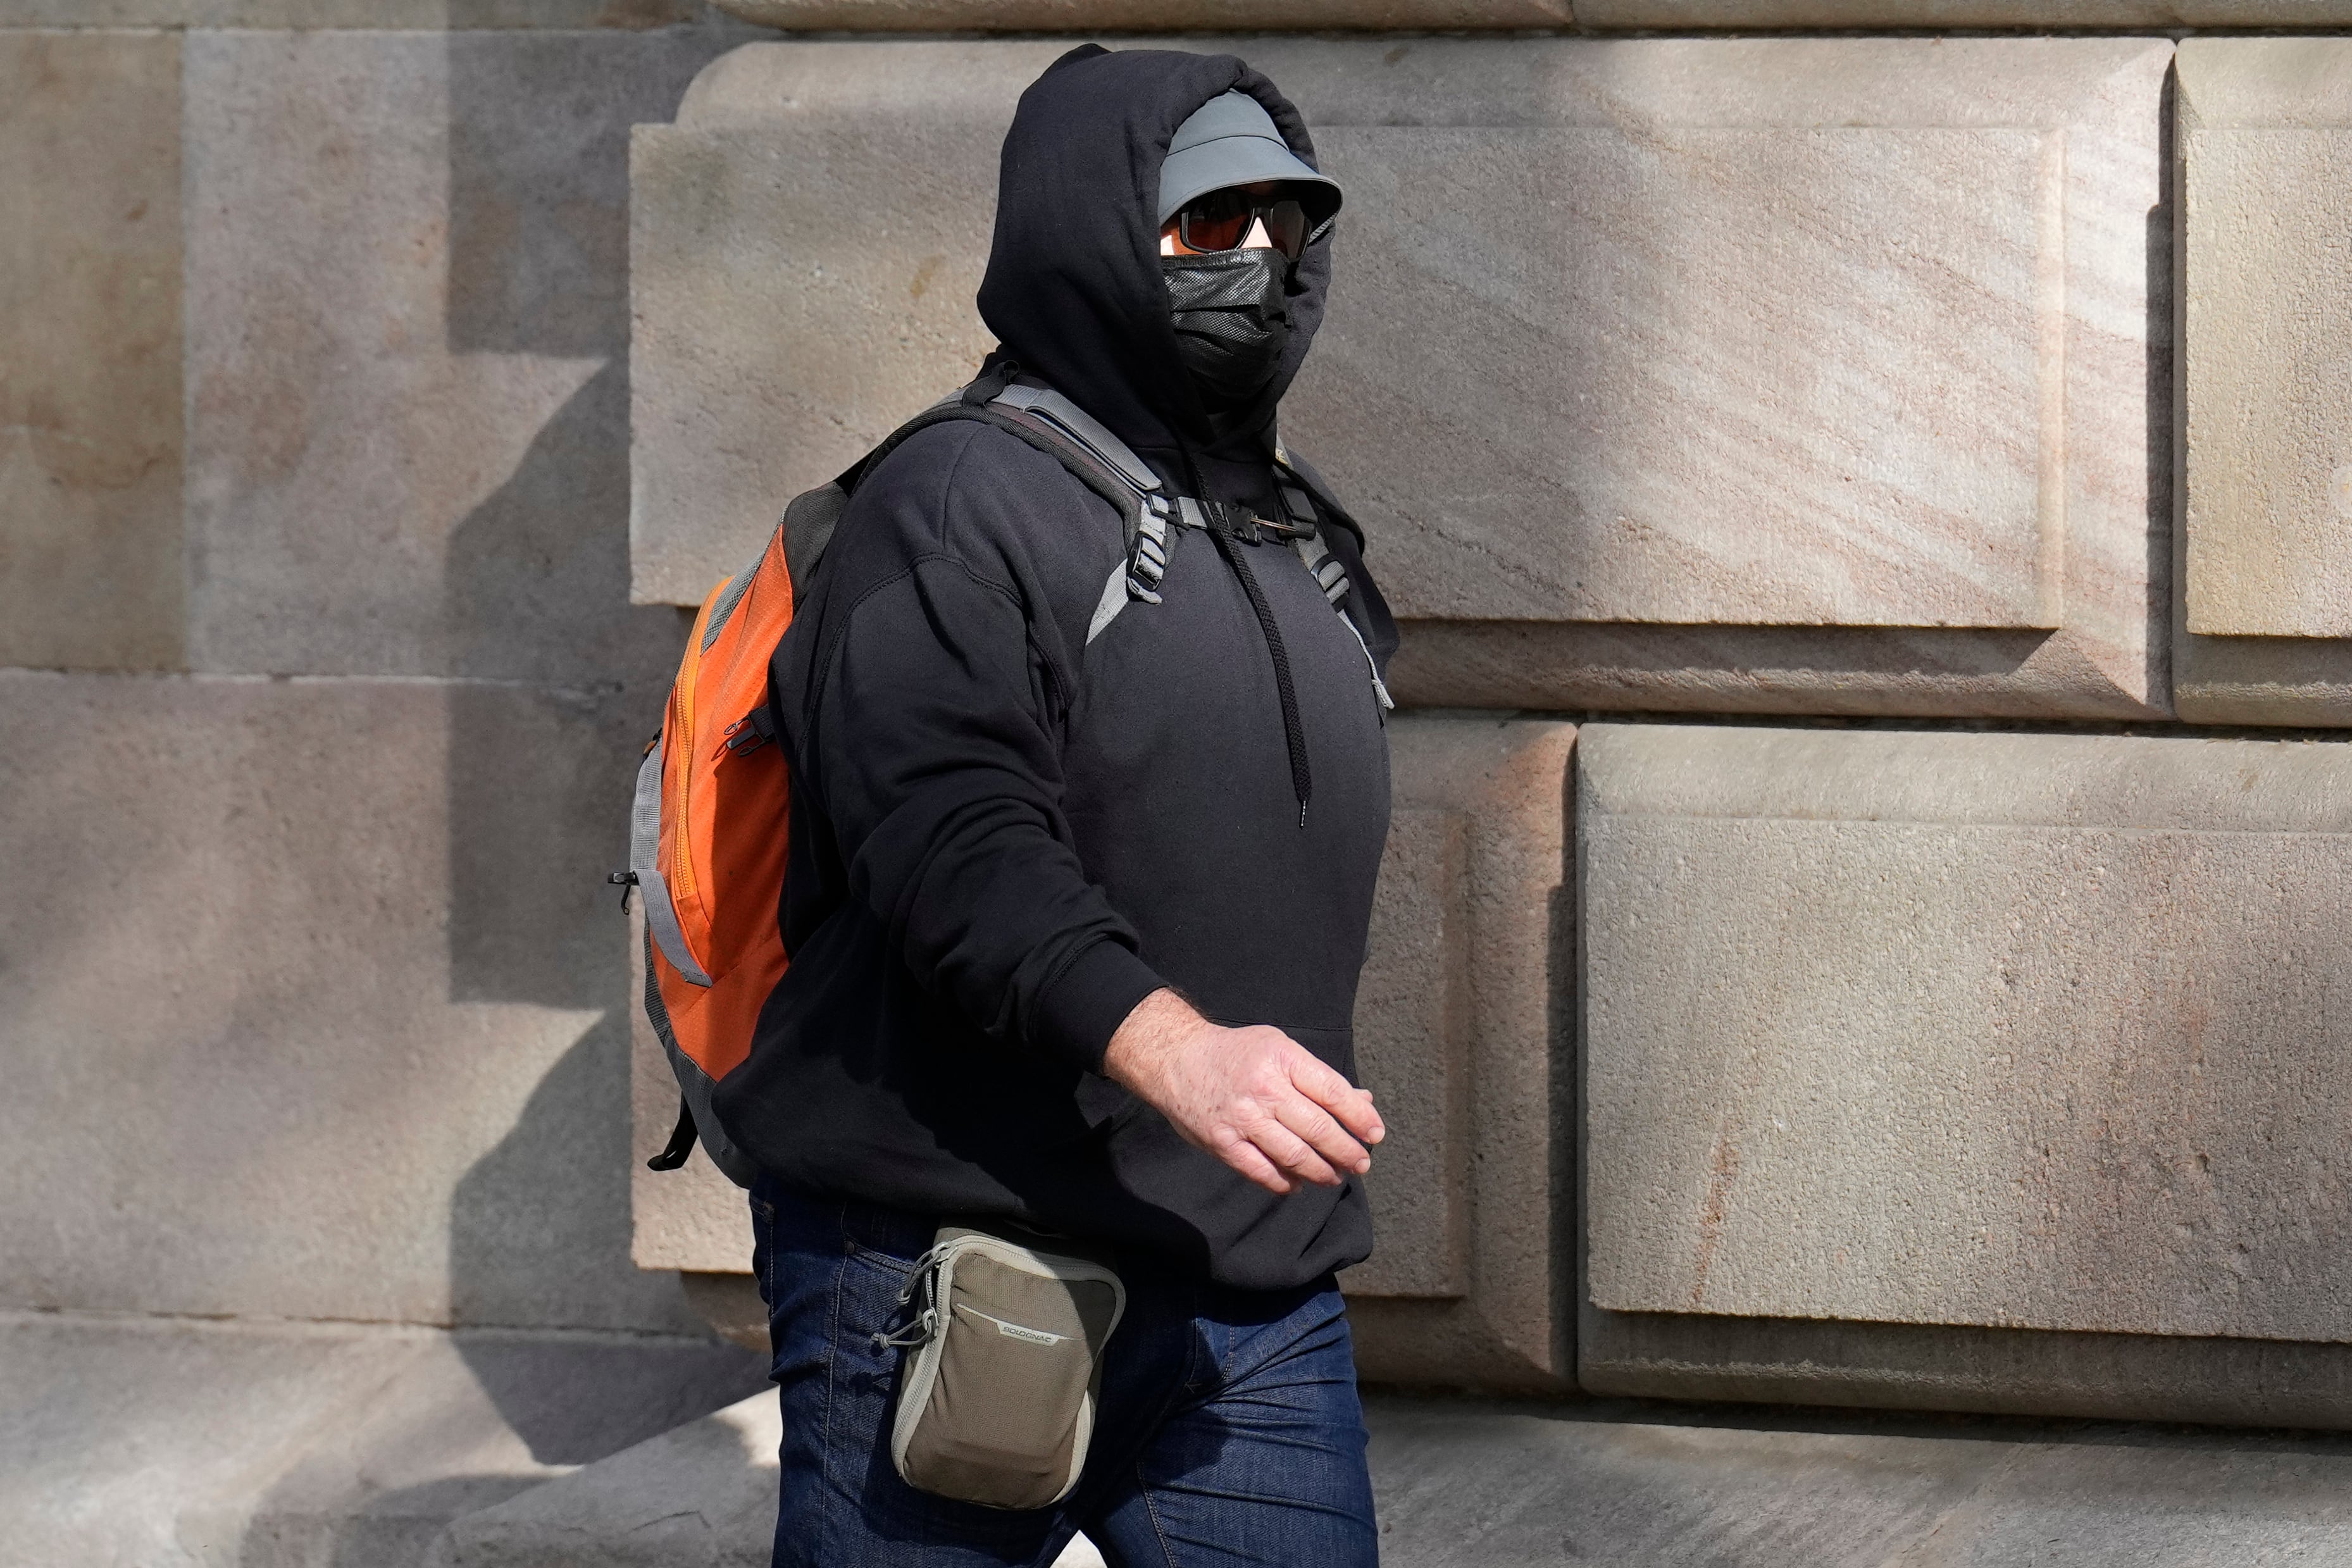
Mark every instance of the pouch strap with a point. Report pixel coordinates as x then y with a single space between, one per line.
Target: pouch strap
925 1325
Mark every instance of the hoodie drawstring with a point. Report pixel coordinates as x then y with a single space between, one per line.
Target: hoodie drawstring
1294 734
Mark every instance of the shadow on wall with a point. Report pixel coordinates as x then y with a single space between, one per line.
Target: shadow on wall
564 677
558 678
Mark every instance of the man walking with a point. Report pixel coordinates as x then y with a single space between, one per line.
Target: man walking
1082 853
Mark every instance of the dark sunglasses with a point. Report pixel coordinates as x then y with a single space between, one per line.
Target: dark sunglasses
1221 220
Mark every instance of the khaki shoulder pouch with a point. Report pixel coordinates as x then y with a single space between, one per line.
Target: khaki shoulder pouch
997 1401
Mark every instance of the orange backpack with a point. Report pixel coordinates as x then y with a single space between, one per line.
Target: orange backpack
710 826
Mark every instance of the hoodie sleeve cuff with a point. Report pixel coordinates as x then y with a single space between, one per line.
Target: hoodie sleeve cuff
1084 1006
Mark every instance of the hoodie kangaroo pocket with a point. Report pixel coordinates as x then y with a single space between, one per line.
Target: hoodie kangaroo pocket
996 1405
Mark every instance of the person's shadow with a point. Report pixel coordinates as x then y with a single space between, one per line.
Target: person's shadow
563 680
569 1352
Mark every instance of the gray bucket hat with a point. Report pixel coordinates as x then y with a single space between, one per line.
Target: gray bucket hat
1231 140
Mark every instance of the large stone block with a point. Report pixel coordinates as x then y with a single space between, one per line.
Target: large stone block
1730 374
313 1008
89 351
1751 374
1705 378
1461 1036
407 391
2263 130
2018 1031
1412 1016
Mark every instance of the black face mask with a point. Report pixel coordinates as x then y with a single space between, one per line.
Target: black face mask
1232 312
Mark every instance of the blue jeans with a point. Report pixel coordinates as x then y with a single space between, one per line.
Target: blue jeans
1228 1431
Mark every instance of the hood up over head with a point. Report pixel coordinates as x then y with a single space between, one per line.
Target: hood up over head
1073 290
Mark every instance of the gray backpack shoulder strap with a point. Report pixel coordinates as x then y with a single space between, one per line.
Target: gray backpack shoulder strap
1043 403
1305 498
1038 416
1138 574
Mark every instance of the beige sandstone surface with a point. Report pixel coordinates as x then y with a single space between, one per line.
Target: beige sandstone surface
319 1007
333 903
90 440
1460 1008
2029 1031
1733 374
2265 125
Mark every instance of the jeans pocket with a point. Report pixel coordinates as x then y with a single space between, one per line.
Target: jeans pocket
874 1294
1314 1330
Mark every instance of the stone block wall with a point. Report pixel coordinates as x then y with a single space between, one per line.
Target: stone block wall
1834 486
321 671
1826 482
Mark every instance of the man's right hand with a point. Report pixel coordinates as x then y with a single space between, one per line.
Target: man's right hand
1253 1096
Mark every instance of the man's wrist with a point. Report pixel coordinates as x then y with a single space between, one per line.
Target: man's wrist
1155 1024
1082 1007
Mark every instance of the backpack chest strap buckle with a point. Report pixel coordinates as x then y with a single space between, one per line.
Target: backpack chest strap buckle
1239 523
749 733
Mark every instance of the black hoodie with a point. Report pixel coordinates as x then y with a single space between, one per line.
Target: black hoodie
1003 837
